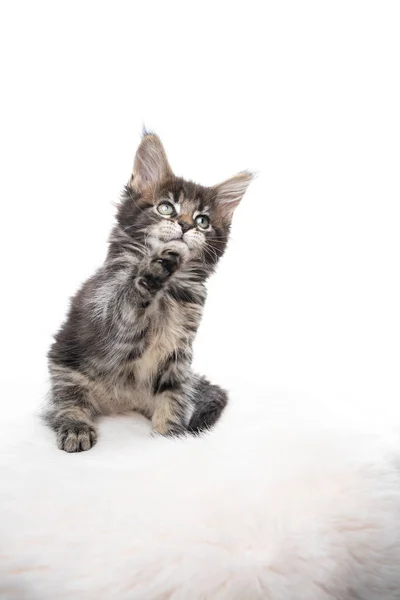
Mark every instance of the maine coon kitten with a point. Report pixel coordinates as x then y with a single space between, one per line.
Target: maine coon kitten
127 340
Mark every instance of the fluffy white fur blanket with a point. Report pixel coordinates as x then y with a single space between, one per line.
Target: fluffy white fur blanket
252 510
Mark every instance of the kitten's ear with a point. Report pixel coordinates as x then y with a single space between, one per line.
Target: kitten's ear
230 192
151 164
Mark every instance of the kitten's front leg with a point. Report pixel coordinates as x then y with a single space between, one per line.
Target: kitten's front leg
71 414
156 269
172 413
172 393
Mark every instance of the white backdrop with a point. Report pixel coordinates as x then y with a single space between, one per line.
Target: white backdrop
306 302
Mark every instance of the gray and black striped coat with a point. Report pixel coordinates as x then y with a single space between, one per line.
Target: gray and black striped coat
127 341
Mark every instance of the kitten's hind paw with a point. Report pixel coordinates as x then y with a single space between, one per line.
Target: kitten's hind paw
76 437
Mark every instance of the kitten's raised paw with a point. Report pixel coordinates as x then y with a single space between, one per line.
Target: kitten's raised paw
171 257
76 437
177 248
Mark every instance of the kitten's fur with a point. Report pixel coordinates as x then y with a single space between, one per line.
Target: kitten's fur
127 341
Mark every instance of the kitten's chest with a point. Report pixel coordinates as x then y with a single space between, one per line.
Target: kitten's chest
172 327
168 332
132 389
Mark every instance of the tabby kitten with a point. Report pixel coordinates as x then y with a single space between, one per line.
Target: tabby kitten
127 341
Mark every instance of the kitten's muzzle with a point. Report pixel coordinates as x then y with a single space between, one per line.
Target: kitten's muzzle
185 226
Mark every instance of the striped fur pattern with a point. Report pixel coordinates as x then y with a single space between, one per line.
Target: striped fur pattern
127 341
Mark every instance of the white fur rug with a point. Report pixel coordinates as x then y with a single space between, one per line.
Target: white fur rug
253 510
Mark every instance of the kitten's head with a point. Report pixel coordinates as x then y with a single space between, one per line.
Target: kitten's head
159 207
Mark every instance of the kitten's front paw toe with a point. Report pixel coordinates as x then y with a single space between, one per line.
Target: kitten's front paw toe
169 430
166 263
172 256
77 437
177 248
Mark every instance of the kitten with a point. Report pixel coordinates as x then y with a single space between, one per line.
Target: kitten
127 340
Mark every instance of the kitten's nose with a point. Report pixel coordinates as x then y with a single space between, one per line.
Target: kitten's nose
185 226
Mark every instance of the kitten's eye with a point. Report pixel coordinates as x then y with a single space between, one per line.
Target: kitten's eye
202 221
165 209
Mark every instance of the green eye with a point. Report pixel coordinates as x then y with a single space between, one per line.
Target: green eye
165 209
202 221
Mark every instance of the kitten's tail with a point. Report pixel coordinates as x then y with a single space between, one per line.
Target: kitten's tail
210 400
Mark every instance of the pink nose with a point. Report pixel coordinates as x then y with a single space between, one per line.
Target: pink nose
185 226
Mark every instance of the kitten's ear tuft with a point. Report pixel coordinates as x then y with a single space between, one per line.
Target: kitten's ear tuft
151 164
230 192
